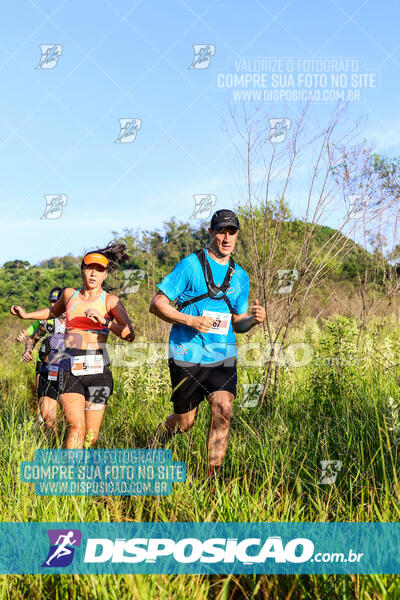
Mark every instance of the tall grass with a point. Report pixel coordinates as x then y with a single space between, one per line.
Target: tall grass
342 406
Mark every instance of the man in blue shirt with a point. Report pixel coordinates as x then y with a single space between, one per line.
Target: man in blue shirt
212 295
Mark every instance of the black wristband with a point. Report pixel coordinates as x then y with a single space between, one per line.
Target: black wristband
107 323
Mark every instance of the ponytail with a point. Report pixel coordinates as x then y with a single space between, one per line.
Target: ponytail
116 253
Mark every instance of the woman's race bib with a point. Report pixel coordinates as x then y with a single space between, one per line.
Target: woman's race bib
221 322
87 364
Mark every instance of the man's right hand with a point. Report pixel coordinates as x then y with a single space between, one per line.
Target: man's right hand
21 336
202 324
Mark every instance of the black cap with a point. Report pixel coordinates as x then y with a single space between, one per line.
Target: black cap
55 294
224 218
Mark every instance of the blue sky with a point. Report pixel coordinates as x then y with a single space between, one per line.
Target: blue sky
122 59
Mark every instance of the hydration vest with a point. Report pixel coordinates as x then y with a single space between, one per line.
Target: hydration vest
212 289
54 340
49 326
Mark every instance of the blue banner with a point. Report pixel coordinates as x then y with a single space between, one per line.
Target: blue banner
200 548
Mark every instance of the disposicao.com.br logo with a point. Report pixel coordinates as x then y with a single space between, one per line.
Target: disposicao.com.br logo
203 548
62 547
248 551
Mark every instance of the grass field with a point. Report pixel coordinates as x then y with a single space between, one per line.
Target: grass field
341 406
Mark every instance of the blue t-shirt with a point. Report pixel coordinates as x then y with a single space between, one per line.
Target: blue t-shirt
187 281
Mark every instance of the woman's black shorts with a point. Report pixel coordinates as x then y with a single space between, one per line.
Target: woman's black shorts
96 388
191 383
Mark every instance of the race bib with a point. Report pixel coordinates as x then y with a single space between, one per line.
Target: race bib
53 373
221 321
88 364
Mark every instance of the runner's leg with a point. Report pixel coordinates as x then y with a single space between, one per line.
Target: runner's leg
165 431
38 413
217 437
187 392
183 421
48 411
74 410
93 417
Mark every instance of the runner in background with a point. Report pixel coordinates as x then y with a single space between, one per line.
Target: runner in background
31 333
85 379
51 333
21 337
212 295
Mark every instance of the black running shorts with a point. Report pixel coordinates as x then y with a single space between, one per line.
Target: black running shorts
96 388
48 387
192 383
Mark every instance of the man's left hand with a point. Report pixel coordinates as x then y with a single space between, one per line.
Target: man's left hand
257 312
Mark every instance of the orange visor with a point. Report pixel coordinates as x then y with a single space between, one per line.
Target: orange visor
95 258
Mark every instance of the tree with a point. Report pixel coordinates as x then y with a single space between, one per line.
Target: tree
290 258
16 264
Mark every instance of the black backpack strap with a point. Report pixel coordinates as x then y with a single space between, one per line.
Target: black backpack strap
192 300
212 289
203 297
225 297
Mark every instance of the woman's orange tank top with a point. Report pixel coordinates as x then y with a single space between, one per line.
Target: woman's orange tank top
75 313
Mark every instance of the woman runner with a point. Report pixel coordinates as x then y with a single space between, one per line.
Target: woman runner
85 379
